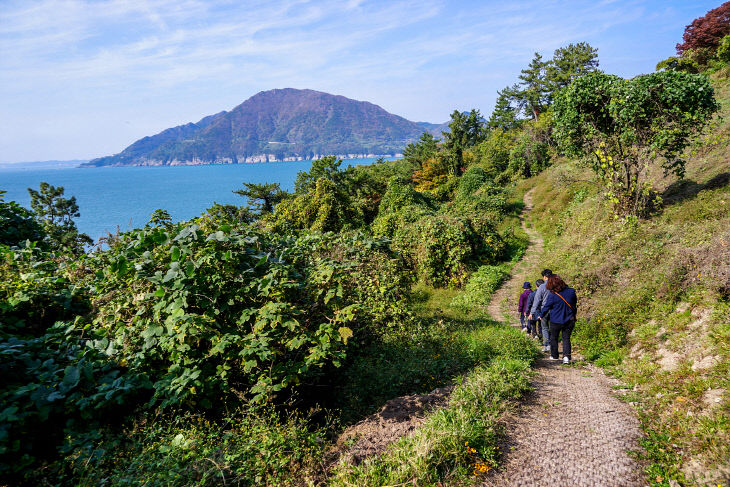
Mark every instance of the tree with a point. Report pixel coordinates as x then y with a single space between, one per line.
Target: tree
627 126
421 151
504 115
161 218
56 215
675 63
703 35
465 130
262 198
569 63
327 167
17 224
534 97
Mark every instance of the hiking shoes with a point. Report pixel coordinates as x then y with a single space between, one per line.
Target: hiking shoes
554 358
566 360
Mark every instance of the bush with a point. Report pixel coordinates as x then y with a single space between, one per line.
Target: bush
58 388
493 154
18 224
234 312
439 247
36 291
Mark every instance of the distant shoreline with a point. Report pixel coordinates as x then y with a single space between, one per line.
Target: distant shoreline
259 159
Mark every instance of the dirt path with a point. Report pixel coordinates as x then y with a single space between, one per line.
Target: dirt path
503 305
572 430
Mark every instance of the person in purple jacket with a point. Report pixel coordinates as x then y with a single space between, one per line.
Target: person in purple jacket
562 305
522 304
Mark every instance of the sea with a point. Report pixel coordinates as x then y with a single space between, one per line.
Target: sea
123 198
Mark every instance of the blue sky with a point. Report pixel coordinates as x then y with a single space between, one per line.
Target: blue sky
85 78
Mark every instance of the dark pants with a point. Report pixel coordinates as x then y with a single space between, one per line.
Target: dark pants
565 329
532 327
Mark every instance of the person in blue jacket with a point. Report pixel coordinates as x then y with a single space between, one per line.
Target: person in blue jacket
537 303
561 305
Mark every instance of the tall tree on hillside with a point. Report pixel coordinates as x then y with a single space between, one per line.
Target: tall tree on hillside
627 126
533 96
465 130
569 63
419 152
327 167
504 115
56 214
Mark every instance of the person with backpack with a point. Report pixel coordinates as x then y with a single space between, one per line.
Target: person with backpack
532 324
561 305
521 305
537 304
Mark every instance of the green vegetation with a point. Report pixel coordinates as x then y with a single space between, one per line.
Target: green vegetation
624 126
233 348
654 296
204 350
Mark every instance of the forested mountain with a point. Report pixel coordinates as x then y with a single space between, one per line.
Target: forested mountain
276 125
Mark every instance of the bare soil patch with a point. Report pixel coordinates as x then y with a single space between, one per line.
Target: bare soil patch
397 418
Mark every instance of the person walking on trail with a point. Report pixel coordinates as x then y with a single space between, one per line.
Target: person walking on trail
522 306
561 304
532 323
537 304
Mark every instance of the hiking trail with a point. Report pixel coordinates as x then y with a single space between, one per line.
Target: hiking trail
572 430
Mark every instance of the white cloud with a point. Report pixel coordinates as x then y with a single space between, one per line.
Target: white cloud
420 59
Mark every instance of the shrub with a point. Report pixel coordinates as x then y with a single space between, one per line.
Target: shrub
59 387
17 224
439 248
493 153
627 126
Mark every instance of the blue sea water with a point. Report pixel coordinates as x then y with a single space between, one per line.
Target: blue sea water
126 196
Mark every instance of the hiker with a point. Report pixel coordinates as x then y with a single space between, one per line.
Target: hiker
531 323
561 304
537 304
522 305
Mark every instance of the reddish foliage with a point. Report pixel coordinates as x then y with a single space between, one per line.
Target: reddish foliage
707 31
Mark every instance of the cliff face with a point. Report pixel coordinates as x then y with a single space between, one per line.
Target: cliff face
276 125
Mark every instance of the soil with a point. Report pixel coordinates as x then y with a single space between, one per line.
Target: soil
397 418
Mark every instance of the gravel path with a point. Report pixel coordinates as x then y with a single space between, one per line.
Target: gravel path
572 430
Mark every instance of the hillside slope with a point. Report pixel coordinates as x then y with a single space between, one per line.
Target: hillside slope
654 300
275 125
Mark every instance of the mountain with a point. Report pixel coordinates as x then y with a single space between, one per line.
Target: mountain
277 125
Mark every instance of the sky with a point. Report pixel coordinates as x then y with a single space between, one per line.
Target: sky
85 78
